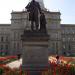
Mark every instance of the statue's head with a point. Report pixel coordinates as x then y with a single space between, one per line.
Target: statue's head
33 0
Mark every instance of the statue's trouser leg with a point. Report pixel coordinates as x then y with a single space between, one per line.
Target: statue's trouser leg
37 25
32 25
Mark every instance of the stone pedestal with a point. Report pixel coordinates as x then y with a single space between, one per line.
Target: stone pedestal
35 52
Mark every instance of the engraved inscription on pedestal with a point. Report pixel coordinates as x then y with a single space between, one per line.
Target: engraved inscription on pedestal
36 55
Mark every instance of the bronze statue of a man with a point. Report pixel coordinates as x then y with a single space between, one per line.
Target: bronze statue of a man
33 8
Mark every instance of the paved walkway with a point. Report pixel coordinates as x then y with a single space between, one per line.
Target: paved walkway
15 64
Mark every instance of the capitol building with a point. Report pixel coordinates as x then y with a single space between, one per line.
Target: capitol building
62 36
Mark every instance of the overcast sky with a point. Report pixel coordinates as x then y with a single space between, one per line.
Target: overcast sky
66 7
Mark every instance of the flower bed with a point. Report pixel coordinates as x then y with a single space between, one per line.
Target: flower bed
63 69
4 60
54 69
